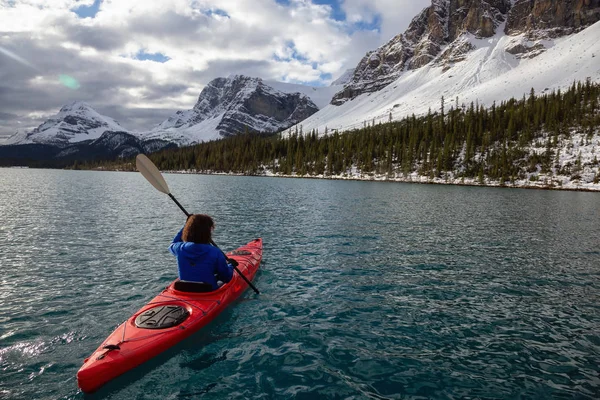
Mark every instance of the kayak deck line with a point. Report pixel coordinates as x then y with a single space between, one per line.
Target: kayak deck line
131 345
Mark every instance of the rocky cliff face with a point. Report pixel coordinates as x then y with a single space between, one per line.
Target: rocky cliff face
252 105
533 20
235 105
438 35
552 17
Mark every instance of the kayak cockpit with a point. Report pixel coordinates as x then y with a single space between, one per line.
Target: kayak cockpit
192 287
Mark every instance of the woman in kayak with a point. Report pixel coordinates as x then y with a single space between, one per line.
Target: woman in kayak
197 259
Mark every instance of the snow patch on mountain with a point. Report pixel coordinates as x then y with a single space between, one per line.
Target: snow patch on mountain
183 131
18 137
488 73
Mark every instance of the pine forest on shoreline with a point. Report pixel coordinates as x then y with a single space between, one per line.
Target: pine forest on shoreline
524 140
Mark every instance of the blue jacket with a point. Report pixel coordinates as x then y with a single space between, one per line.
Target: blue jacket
200 262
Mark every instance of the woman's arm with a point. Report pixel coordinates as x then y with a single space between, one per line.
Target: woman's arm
174 244
224 270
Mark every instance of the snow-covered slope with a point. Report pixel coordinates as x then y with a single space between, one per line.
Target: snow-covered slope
488 73
344 79
182 128
227 106
74 122
18 137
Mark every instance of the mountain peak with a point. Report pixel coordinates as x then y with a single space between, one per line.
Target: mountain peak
238 103
75 122
240 77
76 106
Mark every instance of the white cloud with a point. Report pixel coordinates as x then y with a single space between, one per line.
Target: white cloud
203 39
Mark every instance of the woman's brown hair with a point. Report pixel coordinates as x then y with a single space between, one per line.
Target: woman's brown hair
198 229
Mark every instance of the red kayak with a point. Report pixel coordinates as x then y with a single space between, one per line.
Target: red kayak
176 313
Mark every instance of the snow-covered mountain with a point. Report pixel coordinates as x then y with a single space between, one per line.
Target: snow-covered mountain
440 35
109 145
74 122
227 106
77 132
469 51
113 144
465 51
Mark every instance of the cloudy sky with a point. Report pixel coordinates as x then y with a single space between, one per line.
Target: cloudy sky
138 61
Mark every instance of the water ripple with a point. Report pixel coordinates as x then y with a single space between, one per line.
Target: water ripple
368 290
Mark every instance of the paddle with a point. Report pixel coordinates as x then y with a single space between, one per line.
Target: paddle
153 175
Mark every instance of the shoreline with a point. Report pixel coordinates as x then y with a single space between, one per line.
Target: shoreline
421 180
413 178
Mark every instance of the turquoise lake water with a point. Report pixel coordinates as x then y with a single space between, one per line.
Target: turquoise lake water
368 290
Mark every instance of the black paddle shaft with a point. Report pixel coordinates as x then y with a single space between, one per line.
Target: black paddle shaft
229 260
187 214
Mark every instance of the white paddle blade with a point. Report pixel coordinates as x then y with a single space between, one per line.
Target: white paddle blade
151 173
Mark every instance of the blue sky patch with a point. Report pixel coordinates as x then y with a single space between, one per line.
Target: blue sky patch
338 14
316 83
217 11
157 57
336 10
88 11
295 55
374 25
325 77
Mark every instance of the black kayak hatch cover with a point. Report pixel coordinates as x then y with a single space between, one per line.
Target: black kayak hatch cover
161 317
